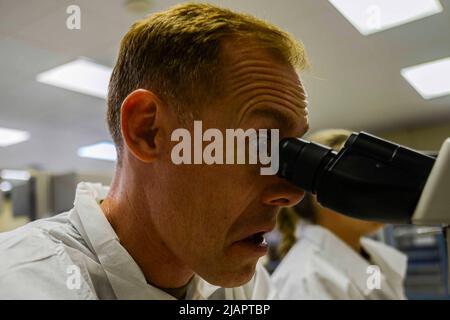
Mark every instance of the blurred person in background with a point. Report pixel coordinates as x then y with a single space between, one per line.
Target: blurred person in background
328 256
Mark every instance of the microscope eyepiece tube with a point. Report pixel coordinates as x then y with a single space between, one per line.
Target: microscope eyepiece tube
301 162
369 178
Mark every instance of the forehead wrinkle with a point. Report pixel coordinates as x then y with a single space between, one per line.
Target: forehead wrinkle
264 80
281 117
246 65
266 88
251 91
270 100
253 72
237 80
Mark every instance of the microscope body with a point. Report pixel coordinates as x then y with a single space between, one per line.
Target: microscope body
373 179
433 207
369 178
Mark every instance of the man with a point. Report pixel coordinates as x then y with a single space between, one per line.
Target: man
163 230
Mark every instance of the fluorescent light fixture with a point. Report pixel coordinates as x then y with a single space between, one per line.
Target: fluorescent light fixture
11 136
80 75
370 16
15 175
102 151
431 79
5 186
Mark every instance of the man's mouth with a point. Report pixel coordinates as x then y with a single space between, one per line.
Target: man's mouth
255 244
257 239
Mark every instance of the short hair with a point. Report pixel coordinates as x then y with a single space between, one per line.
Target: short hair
176 55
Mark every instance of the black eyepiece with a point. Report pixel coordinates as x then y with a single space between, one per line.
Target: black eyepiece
369 178
301 162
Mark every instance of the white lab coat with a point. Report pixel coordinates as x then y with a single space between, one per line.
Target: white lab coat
322 266
41 260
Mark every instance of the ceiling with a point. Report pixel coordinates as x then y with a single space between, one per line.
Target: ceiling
354 81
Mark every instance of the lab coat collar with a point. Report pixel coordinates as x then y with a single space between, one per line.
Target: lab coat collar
388 258
391 262
125 276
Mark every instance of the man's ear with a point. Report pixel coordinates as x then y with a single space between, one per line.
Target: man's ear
138 124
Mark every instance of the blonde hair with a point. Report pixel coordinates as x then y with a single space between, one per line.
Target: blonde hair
288 218
177 54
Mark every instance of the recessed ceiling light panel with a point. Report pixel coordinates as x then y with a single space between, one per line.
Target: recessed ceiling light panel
431 79
370 16
81 75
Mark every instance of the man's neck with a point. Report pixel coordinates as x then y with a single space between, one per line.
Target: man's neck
124 212
179 293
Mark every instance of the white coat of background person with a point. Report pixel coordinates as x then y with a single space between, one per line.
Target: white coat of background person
326 254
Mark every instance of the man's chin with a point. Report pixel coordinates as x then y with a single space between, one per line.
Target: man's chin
232 278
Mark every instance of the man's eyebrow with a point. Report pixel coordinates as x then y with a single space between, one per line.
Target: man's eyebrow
282 119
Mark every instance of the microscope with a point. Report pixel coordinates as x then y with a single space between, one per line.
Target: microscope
373 179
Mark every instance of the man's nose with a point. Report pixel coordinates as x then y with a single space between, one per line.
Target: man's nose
282 194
